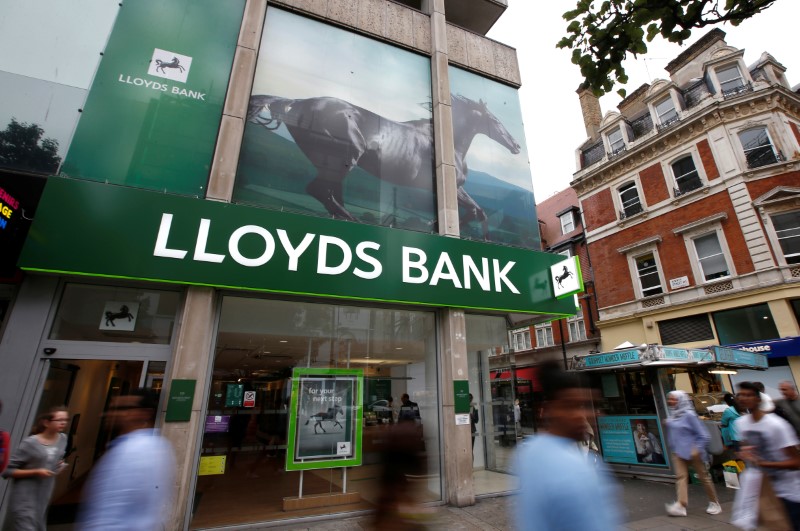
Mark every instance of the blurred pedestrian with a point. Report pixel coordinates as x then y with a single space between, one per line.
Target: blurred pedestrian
767 405
688 439
131 488
32 469
729 436
473 419
517 418
789 405
769 444
559 488
5 446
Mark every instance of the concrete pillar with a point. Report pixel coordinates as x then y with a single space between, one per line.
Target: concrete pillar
457 442
191 360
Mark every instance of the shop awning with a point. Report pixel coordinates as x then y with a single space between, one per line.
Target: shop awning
661 356
772 348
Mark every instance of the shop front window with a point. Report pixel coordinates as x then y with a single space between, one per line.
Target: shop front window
242 475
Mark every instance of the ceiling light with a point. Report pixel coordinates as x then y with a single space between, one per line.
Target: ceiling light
398 348
283 341
722 370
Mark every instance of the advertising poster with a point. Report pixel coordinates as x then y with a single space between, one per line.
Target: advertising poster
153 111
633 440
326 419
496 200
339 125
217 423
234 394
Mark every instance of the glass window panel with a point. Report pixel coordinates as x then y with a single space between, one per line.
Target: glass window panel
787 228
758 149
615 140
648 275
666 111
730 78
115 314
686 176
577 330
712 260
258 344
629 197
751 323
544 335
567 223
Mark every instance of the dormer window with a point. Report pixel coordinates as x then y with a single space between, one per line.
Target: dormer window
616 143
629 200
758 148
667 114
567 222
730 80
686 176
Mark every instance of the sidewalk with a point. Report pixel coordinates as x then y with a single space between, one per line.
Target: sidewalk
643 503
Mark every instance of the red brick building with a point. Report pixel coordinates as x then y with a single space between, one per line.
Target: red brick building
690 195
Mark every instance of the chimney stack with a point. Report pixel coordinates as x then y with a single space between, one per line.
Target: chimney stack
590 107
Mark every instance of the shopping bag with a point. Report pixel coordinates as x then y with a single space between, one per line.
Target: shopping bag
745 505
731 477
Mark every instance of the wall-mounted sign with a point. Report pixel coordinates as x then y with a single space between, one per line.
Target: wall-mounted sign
567 278
211 465
217 423
461 396
612 358
153 111
179 403
249 399
731 356
234 395
192 241
325 419
680 282
120 316
632 440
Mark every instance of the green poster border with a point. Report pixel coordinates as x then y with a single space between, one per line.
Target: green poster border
358 419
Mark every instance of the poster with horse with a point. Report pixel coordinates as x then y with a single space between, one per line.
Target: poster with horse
325 418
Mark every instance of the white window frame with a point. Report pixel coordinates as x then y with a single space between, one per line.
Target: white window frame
636 251
620 202
689 238
659 273
521 339
619 148
570 218
770 138
659 116
566 252
698 168
577 323
742 77
774 237
546 330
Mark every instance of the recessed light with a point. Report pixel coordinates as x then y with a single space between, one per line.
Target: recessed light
283 341
398 348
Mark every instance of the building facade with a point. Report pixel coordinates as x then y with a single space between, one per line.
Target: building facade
235 192
689 192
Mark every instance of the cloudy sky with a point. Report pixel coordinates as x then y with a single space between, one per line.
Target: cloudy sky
552 116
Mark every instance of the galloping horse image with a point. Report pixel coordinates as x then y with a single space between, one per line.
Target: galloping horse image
329 415
336 136
563 276
123 313
175 63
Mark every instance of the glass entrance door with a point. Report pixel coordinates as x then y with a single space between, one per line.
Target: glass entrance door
86 387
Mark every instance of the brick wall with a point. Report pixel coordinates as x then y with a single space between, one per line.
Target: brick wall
654 185
709 164
762 186
598 210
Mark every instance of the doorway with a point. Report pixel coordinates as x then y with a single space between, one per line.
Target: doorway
86 387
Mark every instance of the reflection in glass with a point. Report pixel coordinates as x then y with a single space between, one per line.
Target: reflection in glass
258 344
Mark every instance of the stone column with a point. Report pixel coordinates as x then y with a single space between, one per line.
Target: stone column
191 360
453 347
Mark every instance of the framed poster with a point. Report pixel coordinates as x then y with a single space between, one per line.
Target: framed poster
632 440
325 419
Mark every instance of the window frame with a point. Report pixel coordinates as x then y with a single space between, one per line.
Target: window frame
629 184
775 238
720 83
698 170
659 273
547 330
771 142
571 218
697 268
577 322
665 123
521 332
620 148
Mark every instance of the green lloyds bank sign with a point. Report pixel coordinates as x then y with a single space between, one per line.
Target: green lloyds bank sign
105 230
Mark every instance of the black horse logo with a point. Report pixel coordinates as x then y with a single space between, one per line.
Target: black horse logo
124 312
329 416
162 65
336 136
563 276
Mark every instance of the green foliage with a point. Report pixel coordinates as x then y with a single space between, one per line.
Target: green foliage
22 147
602 34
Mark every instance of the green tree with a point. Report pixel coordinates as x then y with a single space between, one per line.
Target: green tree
602 33
22 147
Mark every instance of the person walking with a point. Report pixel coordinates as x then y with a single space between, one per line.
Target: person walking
559 487
789 405
729 436
32 469
5 446
688 440
131 486
769 444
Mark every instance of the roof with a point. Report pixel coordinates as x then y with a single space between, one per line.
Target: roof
685 56
548 212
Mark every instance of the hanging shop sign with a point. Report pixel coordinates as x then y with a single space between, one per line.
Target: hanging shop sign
567 278
632 440
192 241
325 419
153 112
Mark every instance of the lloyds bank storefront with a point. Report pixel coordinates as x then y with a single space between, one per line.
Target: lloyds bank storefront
250 215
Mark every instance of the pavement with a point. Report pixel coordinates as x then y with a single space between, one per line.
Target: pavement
643 502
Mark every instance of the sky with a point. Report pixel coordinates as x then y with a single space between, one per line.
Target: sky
550 109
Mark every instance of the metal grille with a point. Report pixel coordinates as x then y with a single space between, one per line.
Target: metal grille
593 154
685 329
795 271
655 301
642 125
694 93
719 288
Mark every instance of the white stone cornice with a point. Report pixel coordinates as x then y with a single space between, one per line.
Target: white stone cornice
639 244
720 216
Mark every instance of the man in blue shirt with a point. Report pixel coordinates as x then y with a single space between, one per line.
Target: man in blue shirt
559 488
131 488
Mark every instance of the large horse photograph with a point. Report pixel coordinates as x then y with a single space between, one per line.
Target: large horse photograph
348 134
325 418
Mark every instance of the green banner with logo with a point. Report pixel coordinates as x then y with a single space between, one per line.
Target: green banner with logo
102 230
153 112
